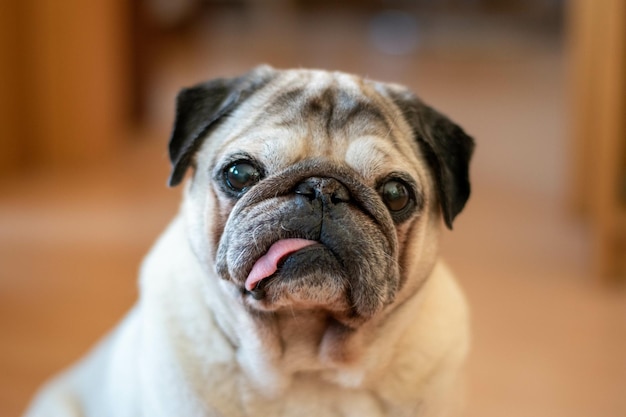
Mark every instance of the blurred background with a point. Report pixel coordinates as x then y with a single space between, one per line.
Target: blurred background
87 101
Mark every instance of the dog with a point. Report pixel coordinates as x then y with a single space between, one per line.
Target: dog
301 276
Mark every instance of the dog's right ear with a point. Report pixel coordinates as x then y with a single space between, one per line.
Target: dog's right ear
199 108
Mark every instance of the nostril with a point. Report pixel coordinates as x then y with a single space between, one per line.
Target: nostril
306 189
340 195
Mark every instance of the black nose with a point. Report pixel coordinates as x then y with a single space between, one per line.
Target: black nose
328 190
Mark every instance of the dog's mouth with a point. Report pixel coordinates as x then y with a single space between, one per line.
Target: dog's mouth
269 263
302 270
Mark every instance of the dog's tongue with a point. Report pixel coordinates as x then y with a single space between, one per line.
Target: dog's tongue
267 264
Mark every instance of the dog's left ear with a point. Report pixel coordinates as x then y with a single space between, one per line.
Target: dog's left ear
199 108
447 148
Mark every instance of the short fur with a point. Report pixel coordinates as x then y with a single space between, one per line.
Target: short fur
368 322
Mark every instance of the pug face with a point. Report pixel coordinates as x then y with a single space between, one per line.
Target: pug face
316 191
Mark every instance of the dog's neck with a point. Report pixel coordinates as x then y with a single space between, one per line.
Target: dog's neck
311 340
281 346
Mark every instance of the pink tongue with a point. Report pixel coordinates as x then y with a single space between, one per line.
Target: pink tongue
267 264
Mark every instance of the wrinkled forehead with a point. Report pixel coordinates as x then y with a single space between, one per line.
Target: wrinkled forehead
306 113
328 104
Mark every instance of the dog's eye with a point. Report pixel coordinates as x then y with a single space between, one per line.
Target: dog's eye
241 176
396 195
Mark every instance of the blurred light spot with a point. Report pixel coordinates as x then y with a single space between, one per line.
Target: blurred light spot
394 32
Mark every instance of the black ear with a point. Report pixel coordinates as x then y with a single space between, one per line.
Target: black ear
200 107
447 148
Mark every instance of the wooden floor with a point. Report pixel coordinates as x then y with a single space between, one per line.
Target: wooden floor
548 340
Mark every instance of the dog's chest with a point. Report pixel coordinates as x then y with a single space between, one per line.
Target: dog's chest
299 381
312 397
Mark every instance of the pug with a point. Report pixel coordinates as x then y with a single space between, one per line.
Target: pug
301 276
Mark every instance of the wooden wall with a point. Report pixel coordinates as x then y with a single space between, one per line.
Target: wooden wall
62 81
597 50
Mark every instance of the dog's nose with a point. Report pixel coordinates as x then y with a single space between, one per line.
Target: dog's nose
328 190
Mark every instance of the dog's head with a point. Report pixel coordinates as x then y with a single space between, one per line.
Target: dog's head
317 190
